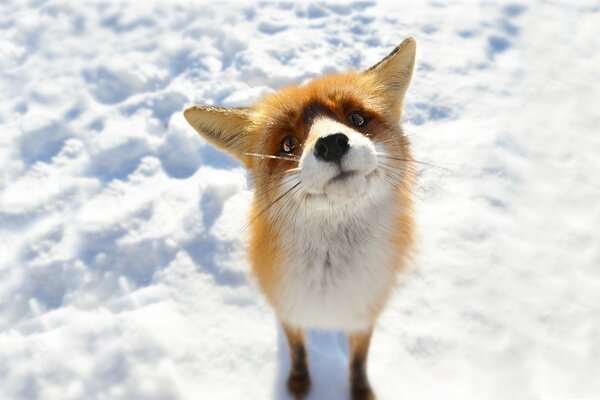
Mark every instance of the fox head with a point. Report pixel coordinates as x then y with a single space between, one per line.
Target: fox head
333 140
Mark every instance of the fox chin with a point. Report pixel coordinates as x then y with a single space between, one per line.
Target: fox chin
331 221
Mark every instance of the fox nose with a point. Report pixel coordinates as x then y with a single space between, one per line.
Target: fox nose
332 147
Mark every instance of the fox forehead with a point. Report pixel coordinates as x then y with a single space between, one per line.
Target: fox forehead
327 95
292 110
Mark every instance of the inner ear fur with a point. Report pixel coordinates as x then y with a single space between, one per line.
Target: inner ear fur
394 72
226 128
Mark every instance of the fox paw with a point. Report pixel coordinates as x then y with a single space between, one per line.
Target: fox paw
361 392
299 385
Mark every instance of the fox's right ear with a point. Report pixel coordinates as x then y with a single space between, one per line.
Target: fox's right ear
226 128
394 73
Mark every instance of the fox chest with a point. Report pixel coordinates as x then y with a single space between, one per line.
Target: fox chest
332 281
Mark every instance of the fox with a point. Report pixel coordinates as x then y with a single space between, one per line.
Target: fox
331 223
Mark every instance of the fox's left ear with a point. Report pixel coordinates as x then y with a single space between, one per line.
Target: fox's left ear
226 128
395 71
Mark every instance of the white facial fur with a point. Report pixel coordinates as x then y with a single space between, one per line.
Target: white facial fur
317 176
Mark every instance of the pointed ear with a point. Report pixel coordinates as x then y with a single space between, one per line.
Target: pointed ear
395 71
226 128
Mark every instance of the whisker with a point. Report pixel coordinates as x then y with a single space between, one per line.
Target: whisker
277 175
286 206
296 210
287 158
401 181
391 176
384 155
262 195
395 177
261 212
277 186
404 167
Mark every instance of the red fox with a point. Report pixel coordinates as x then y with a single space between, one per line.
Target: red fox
331 221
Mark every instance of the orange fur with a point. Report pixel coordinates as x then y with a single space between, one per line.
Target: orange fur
255 135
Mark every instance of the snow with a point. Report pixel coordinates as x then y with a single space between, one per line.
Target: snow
122 233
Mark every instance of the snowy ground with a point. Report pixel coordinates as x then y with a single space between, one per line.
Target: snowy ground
122 273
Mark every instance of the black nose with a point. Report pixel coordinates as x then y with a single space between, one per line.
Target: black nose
332 147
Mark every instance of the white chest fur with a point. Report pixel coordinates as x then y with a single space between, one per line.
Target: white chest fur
337 267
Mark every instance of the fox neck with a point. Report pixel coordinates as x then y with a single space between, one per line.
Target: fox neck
334 271
340 229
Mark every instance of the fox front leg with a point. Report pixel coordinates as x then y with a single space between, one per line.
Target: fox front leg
299 380
359 349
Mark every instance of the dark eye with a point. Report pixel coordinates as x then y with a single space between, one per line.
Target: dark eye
289 144
357 119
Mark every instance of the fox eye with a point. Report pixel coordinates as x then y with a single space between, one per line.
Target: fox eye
289 144
357 119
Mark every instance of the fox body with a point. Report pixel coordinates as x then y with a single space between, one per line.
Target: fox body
331 220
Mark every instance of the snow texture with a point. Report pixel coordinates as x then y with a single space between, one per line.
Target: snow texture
122 233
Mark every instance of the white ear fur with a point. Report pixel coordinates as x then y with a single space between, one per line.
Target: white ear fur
395 71
225 128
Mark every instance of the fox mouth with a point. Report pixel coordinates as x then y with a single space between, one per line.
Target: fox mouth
342 176
346 185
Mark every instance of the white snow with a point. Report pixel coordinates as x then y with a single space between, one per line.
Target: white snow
122 233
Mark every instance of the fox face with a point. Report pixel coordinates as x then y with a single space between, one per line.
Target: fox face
331 218
331 141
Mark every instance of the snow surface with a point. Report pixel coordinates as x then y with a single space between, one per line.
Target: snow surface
122 269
